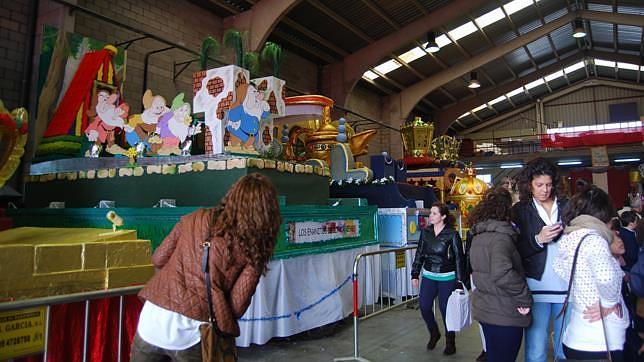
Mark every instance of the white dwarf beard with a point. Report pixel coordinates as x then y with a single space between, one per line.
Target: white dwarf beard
253 108
110 117
148 117
178 128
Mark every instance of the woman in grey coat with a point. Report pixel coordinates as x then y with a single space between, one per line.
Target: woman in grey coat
501 301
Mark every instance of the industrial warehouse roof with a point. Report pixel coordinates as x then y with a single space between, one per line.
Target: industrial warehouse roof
521 50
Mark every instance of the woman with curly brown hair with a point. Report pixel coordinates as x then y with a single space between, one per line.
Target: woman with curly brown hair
538 217
501 301
241 231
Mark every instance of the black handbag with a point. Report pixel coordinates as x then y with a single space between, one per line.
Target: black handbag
215 345
565 308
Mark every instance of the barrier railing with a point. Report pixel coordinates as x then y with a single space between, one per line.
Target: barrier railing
73 298
394 287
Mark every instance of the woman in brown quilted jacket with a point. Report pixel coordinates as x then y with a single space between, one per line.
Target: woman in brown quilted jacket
242 231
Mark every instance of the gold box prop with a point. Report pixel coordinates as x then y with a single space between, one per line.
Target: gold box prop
39 262
417 138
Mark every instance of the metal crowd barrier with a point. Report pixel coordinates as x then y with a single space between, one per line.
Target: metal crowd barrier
73 298
393 290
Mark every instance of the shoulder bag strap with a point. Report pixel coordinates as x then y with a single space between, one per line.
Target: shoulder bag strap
206 271
566 301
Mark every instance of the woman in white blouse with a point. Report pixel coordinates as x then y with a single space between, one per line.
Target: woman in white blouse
598 318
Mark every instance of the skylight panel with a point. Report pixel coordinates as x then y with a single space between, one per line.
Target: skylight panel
388 66
604 63
482 106
497 100
412 55
516 5
574 67
555 75
463 31
489 18
535 83
370 75
464 115
515 92
442 40
628 66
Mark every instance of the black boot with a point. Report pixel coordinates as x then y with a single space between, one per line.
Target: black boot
450 343
434 336
482 357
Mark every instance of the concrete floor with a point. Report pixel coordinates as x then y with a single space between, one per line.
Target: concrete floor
397 335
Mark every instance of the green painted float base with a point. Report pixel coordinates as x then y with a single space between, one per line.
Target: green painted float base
189 189
155 223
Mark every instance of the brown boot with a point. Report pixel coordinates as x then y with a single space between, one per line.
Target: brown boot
450 344
434 336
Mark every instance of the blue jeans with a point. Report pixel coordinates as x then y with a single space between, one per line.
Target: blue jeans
503 342
429 290
537 336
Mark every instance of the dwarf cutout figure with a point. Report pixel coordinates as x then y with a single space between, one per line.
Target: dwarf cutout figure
141 126
107 119
245 115
175 127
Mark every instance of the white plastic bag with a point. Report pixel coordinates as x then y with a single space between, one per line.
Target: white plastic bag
458 314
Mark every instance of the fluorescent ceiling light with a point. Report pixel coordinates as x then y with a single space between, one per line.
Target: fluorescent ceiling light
388 66
370 75
568 163
535 83
463 31
574 67
479 168
554 76
515 92
413 54
579 31
627 160
489 18
512 166
431 45
516 5
474 82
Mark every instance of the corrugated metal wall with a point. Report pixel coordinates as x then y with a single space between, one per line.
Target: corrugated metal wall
523 120
591 112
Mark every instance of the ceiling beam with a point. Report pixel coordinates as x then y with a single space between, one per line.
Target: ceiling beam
342 21
259 21
446 116
516 32
397 106
543 22
399 86
342 76
421 76
314 36
492 44
592 82
304 46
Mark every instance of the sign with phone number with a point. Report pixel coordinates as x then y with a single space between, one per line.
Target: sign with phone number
22 332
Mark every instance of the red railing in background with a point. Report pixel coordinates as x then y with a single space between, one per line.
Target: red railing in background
616 136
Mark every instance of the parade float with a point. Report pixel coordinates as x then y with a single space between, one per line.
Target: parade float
96 157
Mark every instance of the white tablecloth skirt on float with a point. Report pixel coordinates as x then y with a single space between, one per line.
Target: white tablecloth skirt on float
306 292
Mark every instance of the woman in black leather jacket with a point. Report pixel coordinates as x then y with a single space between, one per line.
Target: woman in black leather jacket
440 260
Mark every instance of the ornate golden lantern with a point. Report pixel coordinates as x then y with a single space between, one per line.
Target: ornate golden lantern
467 192
417 138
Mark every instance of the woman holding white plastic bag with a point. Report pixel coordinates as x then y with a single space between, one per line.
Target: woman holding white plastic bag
501 301
598 318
